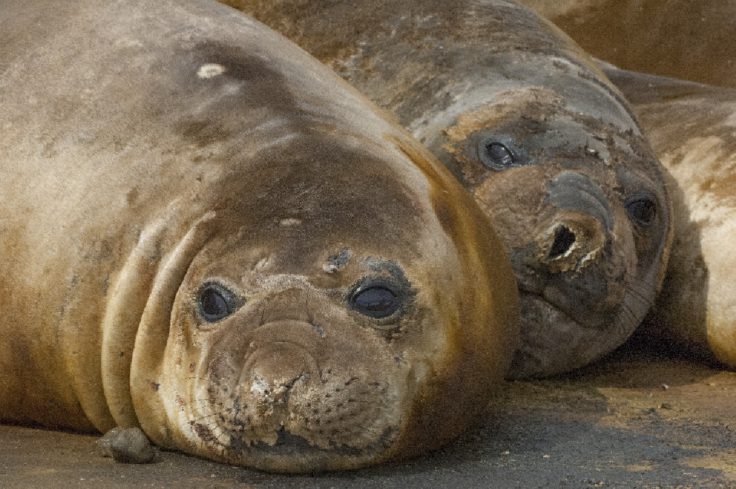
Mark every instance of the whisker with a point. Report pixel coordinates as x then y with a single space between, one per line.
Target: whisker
636 293
196 420
203 379
624 326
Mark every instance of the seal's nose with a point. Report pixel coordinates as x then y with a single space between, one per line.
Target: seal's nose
272 371
563 242
580 226
572 242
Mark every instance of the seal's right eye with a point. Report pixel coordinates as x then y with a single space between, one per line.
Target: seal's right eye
377 301
642 210
496 155
215 302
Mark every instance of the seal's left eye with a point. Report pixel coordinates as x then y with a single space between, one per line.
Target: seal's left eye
216 302
643 210
496 155
377 301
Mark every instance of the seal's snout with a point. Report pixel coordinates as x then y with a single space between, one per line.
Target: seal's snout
280 356
286 388
272 371
581 224
576 192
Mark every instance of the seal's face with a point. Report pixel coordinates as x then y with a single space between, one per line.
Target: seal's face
293 368
581 205
324 324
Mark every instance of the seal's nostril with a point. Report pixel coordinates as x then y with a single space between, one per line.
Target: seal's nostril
564 239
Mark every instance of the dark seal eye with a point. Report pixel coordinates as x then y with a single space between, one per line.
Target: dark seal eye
216 302
377 301
496 155
642 210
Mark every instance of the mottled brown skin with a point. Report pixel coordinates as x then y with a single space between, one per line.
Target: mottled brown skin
153 151
462 75
689 39
692 128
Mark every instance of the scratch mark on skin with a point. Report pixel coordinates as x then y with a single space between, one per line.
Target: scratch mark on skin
210 70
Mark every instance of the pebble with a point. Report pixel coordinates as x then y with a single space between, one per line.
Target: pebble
127 445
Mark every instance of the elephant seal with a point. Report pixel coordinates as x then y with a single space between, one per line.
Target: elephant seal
692 127
676 38
546 145
205 233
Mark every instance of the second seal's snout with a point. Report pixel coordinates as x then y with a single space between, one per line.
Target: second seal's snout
576 192
581 224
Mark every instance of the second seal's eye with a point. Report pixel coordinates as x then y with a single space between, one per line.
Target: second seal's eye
643 210
496 155
377 301
215 302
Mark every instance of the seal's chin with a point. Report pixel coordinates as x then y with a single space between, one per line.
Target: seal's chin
292 454
554 341
285 441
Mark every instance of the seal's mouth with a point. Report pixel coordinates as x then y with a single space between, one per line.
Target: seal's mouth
290 445
539 308
556 341
295 433
527 295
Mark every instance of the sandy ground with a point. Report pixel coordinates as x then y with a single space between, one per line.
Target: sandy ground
639 419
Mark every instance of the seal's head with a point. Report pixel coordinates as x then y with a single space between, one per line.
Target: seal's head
580 201
332 318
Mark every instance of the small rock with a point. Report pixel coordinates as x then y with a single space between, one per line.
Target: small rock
127 445
104 443
666 405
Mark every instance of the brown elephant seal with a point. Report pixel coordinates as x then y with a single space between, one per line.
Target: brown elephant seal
536 133
692 127
686 39
204 232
